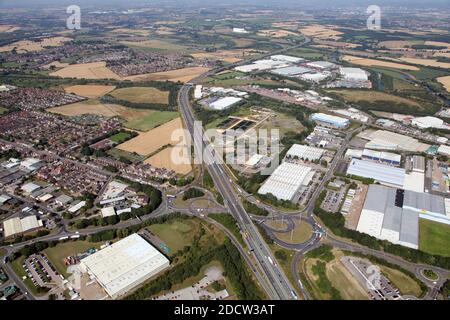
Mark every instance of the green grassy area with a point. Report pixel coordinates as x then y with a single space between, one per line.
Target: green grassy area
117 153
301 233
176 234
403 282
151 121
306 53
62 250
141 95
434 237
3 110
120 137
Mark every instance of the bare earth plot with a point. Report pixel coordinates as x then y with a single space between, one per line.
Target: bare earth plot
371 96
150 141
379 63
167 159
182 75
90 91
445 81
322 32
8 28
93 70
142 95
55 64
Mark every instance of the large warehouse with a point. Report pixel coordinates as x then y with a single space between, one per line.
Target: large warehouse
286 181
329 120
393 214
386 140
305 152
384 174
386 157
354 74
124 265
18 225
225 103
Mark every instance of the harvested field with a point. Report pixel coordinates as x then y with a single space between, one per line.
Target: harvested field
150 141
8 28
229 56
286 25
445 82
427 62
321 32
90 91
24 46
371 96
139 32
242 43
107 110
141 95
397 44
437 44
182 75
379 63
94 70
167 158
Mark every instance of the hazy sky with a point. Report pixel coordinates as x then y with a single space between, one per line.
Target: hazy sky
299 3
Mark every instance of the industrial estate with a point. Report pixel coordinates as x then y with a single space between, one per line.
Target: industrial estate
323 144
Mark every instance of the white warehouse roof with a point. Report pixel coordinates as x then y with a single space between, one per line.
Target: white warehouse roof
16 225
443 149
379 172
124 264
353 74
224 103
282 57
286 180
305 152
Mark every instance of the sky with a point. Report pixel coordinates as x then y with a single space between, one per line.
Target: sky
299 3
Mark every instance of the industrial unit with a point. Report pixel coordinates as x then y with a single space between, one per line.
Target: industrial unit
286 181
124 265
17 225
305 152
354 74
385 157
329 120
384 174
225 103
386 140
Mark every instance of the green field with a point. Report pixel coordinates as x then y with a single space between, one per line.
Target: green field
434 237
118 154
120 137
141 95
57 254
151 121
3 110
176 234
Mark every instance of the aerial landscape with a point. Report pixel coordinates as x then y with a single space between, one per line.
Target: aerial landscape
189 150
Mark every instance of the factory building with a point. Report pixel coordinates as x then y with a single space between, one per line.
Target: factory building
429 122
386 140
286 181
284 58
354 74
291 71
305 152
225 103
444 150
381 173
124 265
385 157
322 65
330 121
17 225
393 214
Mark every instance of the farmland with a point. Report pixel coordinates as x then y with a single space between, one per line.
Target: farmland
434 237
164 159
445 81
93 70
150 141
90 91
427 62
23 46
141 95
151 120
379 63
182 75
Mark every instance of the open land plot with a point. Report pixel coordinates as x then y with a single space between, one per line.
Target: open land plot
372 96
55 65
57 253
373 62
154 45
3 110
398 44
151 120
284 123
93 70
437 44
182 75
242 42
404 283
90 90
321 32
139 32
427 62
301 233
24 46
445 82
8 28
141 95
150 141
276 224
121 154
229 56
172 158
103 109
434 237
